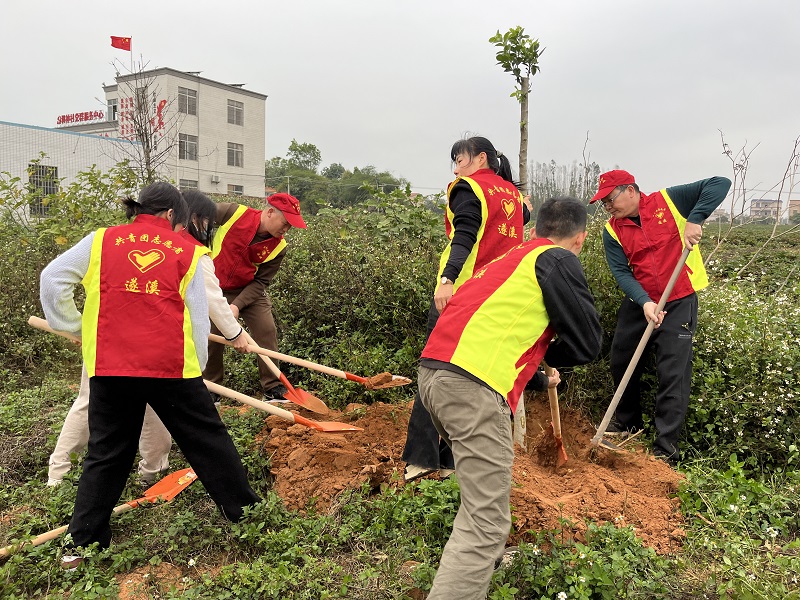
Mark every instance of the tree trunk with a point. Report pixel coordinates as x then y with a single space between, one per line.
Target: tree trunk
523 136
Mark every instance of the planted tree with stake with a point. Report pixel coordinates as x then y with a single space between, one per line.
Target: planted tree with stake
518 54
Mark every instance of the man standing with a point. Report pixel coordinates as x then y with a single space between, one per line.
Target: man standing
643 240
248 249
487 343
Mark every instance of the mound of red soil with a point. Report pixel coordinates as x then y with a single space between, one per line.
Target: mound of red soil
626 488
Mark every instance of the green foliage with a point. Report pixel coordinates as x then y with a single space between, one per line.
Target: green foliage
518 54
742 539
613 563
368 314
304 156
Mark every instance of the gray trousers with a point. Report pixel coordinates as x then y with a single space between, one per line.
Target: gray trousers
476 423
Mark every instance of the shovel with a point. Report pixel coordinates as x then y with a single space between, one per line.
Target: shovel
555 420
296 395
376 382
325 426
637 355
299 397
166 489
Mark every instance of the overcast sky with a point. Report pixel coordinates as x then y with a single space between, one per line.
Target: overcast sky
394 83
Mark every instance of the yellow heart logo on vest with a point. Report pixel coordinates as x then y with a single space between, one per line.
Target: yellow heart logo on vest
144 261
509 207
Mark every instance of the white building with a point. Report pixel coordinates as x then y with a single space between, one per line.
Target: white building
212 134
205 134
44 157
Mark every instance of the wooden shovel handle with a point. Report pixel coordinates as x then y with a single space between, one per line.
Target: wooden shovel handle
639 350
40 323
265 406
555 412
293 360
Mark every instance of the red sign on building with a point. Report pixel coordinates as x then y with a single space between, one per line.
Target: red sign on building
80 117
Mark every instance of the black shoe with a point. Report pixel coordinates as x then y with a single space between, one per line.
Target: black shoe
276 394
670 459
617 433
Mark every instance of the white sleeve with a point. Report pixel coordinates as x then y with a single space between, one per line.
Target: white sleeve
57 286
218 308
197 306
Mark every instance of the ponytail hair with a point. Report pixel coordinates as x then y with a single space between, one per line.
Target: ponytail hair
497 161
204 209
157 198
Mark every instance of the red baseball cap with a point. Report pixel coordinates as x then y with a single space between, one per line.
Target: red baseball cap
290 207
610 180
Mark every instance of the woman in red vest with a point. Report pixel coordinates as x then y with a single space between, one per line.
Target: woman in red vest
144 330
484 218
155 441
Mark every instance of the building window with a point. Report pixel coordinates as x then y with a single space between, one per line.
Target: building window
43 181
187 184
112 110
235 112
187 101
235 190
235 155
187 147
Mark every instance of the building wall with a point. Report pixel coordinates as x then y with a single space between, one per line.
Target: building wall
210 125
70 152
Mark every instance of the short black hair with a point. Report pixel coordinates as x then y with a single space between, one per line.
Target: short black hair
202 207
561 217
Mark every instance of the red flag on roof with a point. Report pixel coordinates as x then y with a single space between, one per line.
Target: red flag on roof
123 43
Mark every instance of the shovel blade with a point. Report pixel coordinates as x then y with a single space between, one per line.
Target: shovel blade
303 398
167 487
326 426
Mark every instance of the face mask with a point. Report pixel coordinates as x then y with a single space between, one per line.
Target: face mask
200 236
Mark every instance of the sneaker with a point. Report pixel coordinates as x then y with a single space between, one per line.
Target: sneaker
445 473
276 394
413 472
54 482
70 562
505 559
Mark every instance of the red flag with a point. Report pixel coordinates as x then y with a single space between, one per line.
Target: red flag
123 43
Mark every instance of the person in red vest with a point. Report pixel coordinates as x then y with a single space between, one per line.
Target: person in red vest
155 441
643 240
144 329
484 217
486 346
248 250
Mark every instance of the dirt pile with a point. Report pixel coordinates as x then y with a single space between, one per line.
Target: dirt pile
627 488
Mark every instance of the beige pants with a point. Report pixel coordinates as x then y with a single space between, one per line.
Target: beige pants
476 423
154 442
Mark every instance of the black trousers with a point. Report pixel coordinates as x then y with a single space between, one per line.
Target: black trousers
116 412
424 447
672 342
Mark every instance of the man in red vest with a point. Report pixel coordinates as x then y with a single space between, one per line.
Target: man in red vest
643 240
248 249
486 345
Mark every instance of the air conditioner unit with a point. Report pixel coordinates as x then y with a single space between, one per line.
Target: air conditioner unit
215 179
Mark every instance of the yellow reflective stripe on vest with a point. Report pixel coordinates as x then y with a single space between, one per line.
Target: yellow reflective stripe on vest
491 354
91 308
281 245
468 268
216 245
696 268
191 366
612 233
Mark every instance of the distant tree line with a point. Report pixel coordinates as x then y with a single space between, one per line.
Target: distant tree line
299 174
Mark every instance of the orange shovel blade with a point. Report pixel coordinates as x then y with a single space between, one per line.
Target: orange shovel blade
326 426
167 487
303 398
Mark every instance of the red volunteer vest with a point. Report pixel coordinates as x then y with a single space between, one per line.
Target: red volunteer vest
135 320
235 259
654 248
501 222
496 327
